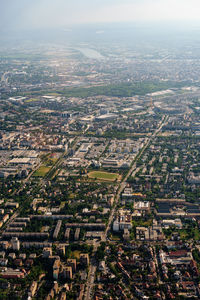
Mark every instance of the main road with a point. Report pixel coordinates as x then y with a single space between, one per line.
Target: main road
122 184
132 171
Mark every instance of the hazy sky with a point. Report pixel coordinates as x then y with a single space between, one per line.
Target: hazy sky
20 14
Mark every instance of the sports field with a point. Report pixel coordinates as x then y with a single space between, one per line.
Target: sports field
103 175
42 171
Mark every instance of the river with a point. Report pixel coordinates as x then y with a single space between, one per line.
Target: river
90 53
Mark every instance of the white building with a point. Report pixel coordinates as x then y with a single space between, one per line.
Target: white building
15 243
122 222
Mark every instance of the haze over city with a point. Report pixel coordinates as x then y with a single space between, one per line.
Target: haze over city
40 14
99 149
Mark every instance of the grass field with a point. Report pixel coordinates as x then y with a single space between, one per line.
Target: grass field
190 234
103 175
42 171
53 94
49 159
75 254
31 100
115 237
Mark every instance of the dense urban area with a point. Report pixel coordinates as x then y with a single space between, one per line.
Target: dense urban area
99 172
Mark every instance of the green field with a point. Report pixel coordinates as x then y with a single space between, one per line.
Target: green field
53 94
103 175
75 254
42 171
31 100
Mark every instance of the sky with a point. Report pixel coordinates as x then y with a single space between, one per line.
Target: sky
42 14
